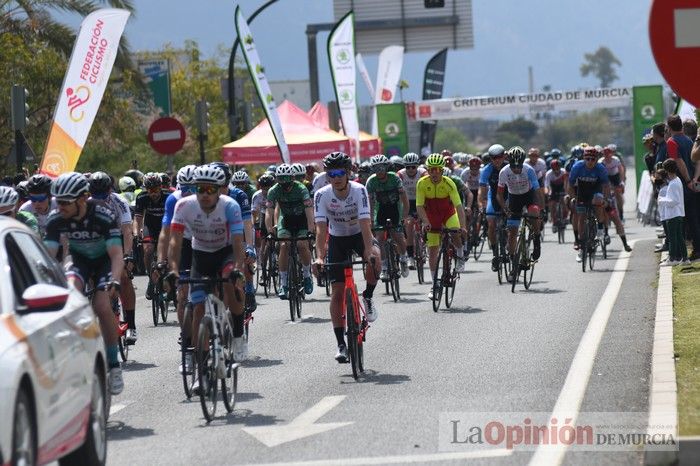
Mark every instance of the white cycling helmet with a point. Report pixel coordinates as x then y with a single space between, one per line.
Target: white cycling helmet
497 150
127 183
379 159
299 169
185 175
70 186
8 198
284 170
240 177
209 174
411 158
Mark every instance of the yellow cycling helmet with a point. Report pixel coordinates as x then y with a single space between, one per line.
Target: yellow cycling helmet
435 160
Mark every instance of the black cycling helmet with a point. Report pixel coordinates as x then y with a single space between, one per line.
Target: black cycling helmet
266 180
100 182
337 160
152 180
165 180
22 189
517 156
364 168
224 166
135 175
39 184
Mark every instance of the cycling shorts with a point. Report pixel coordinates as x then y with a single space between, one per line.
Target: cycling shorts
433 239
615 179
150 234
98 271
585 201
388 212
341 248
412 207
185 258
516 203
208 264
294 226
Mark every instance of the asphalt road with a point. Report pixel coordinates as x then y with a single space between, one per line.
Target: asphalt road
494 352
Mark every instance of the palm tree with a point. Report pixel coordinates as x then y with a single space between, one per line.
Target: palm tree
32 20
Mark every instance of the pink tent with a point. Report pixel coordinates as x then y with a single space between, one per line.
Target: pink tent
306 140
369 145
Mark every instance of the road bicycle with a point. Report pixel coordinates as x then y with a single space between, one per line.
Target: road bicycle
390 254
589 238
354 316
559 222
214 350
161 300
295 277
419 252
522 259
478 233
501 251
445 276
267 274
122 325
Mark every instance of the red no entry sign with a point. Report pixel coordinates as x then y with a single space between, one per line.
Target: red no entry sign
166 135
674 32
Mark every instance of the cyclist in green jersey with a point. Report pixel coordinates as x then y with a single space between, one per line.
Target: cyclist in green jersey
296 220
385 190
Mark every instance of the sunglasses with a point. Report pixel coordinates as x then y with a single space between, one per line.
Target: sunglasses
207 189
38 197
65 202
337 173
411 167
188 188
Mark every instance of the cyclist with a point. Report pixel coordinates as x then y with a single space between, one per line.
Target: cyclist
364 171
9 202
294 220
101 191
520 181
343 227
395 163
466 197
40 203
241 180
554 154
470 177
409 176
215 221
555 182
148 219
385 190
258 208
439 205
488 185
589 185
95 245
616 175
299 172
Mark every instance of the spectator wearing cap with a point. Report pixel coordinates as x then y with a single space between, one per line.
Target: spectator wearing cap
672 211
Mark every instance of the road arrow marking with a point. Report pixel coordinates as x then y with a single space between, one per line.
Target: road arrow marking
302 426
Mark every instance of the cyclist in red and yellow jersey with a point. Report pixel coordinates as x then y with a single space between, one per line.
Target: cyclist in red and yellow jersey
439 206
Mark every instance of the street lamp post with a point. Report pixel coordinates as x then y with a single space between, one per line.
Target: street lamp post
233 118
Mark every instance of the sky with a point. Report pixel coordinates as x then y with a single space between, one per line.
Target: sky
552 36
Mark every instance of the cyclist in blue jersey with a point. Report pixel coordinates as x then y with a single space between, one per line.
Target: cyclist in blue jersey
488 186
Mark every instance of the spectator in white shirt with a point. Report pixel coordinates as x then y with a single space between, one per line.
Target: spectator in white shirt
671 209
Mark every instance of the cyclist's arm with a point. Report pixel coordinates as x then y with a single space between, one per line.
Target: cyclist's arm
116 258
367 236
138 224
309 211
238 251
270 219
163 240
249 232
128 239
404 202
174 248
483 196
499 198
321 240
420 204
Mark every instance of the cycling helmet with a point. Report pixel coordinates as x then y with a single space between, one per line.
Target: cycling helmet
266 180
555 164
70 186
337 160
496 150
152 180
435 160
22 189
185 175
474 162
397 162
127 183
225 168
8 198
517 156
100 182
39 184
135 175
364 168
164 180
411 158
284 170
590 151
555 153
612 147
210 174
378 160
240 177
299 169
446 153
577 152
446 171
272 168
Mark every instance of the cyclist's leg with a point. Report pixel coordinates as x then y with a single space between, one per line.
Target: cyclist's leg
183 290
283 258
409 228
339 249
433 244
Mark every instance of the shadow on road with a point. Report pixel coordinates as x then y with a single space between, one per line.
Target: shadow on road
257 361
242 416
377 378
542 290
461 310
314 320
248 396
133 366
117 430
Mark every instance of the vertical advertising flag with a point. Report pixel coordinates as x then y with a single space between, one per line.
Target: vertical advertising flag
647 110
362 69
388 75
341 57
433 83
157 74
257 73
393 130
84 85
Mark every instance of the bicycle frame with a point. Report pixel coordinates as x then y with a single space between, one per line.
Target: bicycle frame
391 256
448 274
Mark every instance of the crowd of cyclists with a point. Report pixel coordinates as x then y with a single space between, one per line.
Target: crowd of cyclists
213 221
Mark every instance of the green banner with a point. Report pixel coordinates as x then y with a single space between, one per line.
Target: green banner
393 130
157 74
647 110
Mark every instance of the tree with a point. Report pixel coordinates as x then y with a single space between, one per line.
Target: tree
520 127
601 64
452 139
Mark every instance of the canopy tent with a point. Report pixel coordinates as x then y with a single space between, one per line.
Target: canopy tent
369 145
306 140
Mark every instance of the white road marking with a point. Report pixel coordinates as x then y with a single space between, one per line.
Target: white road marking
686 22
167 135
405 459
301 426
571 395
116 407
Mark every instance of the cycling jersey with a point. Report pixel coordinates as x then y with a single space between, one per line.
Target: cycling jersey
170 203
409 184
588 181
342 215
461 187
151 211
259 202
292 202
320 180
89 237
471 179
243 201
28 219
41 219
439 200
555 182
540 167
612 166
517 183
210 231
387 191
119 206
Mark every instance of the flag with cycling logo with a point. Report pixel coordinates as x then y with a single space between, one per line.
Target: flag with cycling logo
393 130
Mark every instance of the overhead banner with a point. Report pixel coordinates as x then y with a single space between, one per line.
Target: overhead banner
647 110
388 75
341 54
518 104
362 69
84 85
433 83
257 73
393 129
157 74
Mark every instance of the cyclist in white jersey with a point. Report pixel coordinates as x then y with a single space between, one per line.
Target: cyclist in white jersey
258 206
616 175
217 247
409 175
555 187
344 226
40 202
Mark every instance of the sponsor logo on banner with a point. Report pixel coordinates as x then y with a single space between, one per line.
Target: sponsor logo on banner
343 57
387 96
392 129
76 98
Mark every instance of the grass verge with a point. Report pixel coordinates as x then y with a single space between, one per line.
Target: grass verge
686 341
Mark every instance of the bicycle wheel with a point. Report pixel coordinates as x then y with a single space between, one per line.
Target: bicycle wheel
394 271
592 240
272 271
229 384
293 289
519 253
449 281
155 305
164 304
188 379
604 248
206 368
352 333
481 237
528 271
419 256
123 347
583 247
437 285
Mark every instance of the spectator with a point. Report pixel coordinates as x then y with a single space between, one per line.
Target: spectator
649 158
658 132
671 210
690 128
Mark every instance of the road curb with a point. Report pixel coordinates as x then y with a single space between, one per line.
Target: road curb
663 407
